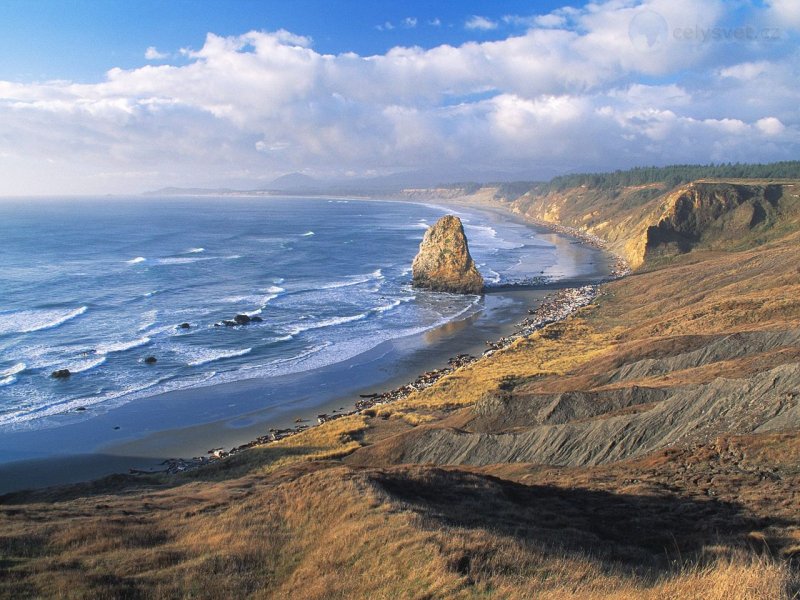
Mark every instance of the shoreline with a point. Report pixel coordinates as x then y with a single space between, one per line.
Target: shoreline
558 304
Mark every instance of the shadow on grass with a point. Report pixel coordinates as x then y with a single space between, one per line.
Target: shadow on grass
640 531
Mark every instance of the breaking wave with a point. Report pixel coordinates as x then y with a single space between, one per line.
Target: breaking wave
202 356
27 321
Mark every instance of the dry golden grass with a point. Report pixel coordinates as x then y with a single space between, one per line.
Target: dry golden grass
544 353
331 440
327 533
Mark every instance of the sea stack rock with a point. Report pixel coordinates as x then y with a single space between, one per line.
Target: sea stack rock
443 263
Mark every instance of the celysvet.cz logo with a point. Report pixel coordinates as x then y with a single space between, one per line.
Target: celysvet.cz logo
650 32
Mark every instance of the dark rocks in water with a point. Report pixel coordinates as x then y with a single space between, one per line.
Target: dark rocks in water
61 374
150 360
240 319
80 409
443 263
184 326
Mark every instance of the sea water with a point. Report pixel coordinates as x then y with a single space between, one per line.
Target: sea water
97 285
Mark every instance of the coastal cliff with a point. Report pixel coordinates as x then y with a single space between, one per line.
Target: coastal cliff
702 214
443 263
654 221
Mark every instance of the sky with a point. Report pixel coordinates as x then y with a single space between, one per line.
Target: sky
123 97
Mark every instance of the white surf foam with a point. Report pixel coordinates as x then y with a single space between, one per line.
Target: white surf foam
195 250
27 321
148 319
13 370
202 356
272 292
395 303
20 417
181 260
490 274
121 346
85 365
326 323
137 260
307 234
387 307
353 280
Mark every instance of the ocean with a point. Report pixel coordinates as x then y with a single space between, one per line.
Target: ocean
96 285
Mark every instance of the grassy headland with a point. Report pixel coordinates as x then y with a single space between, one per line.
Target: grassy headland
646 447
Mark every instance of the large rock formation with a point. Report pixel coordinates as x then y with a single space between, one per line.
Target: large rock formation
443 263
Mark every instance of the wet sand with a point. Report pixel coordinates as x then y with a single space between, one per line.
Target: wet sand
188 423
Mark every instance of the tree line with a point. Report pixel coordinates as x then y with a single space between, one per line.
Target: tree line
670 176
674 175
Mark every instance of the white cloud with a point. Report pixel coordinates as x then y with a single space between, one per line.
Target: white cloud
575 95
746 71
770 126
437 22
549 20
786 13
153 54
410 22
480 23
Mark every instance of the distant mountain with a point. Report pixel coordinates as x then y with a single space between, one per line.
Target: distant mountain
301 184
294 181
179 191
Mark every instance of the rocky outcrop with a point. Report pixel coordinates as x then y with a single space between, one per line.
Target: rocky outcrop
240 319
715 215
443 263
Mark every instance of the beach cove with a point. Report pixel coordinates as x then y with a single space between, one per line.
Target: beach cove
144 433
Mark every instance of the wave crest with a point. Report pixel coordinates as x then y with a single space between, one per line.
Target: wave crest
121 346
202 356
28 321
13 370
326 323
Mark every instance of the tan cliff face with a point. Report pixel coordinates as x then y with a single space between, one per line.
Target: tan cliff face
707 214
443 263
718 215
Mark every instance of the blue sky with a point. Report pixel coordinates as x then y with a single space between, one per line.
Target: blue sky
113 96
81 40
